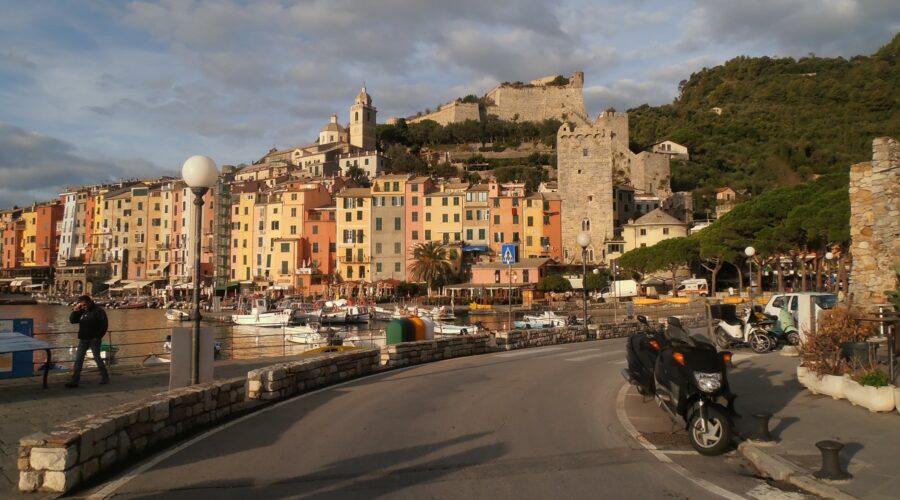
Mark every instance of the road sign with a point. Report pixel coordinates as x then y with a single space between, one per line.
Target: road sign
508 254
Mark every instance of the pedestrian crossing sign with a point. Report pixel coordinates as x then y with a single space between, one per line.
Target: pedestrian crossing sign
508 254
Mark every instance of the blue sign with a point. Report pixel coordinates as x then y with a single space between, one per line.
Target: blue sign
508 254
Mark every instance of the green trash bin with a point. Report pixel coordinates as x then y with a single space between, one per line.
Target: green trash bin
400 330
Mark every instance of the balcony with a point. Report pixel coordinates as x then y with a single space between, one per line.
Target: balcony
353 260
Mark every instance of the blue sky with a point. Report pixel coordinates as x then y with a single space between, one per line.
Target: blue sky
98 91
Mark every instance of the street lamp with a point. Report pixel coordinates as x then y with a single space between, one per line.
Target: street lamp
829 256
199 173
750 252
512 278
584 241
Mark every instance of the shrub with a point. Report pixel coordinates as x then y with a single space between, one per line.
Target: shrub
821 353
874 378
554 283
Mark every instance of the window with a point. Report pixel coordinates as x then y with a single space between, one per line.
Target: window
396 186
665 230
415 216
498 237
397 246
496 202
415 235
584 152
349 217
397 223
315 229
359 215
444 201
427 216
396 267
515 219
285 247
643 245
349 272
515 237
546 220
378 248
284 267
428 234
415 189
445 218
332 247
378 267
481 234
525 276
427 202
496 219
293 212
455 217
415 200
497 276
528 241
469 234
315 248
362 272
456 201
274 225
378 223
293 229
643 232
585 224
468 215
529 221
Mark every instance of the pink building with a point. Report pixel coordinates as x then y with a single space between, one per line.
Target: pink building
416 189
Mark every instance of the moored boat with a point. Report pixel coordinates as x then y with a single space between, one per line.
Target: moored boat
177 315
260 316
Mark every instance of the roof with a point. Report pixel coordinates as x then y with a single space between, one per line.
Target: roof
479 187
624 187
355 193
392 177
419 180
524 263
723 189
656 217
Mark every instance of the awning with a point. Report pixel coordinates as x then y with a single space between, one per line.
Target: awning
6 281
159 270
137 285
31 287
475 248
280 286
228 286
111 282
486 286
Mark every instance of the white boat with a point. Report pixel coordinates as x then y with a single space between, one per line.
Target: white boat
358 314
341 312
310 339
547 319
449 329
177 315
382 313
261 316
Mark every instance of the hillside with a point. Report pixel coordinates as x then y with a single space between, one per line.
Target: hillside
782 120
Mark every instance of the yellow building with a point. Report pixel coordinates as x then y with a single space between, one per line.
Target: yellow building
533 227
242 226
388 242
354 223
476 223
29 237
444 214
651 229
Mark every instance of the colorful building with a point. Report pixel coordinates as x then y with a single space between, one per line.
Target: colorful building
354 223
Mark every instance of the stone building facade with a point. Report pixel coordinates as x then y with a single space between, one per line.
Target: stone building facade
593 157
453 112
875 223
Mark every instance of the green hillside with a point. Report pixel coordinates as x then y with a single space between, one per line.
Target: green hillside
783 120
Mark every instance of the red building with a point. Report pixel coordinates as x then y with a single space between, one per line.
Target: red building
47 232
319 249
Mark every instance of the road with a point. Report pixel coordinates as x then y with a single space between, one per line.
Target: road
534 423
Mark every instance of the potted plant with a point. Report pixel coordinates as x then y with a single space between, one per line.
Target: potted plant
871 389
821 353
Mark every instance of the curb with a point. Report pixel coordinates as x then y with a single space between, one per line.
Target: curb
778 468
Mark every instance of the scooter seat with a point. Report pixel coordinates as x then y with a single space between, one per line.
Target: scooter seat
732 321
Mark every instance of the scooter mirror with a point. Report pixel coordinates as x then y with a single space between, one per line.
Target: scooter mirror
642 319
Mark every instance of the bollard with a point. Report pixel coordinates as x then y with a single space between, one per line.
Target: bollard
762 432
831 461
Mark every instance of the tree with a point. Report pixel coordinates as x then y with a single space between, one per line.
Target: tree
356 173
431 264
714 252
596 282
554 283
672 255
637 261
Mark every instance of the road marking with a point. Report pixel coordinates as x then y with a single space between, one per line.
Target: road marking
661 456
594 355
680 452
523 352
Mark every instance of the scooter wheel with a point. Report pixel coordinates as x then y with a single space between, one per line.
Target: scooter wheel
722 341
717 437
793 338
760 343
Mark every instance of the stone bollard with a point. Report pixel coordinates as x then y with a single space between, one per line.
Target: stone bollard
762 429
831 461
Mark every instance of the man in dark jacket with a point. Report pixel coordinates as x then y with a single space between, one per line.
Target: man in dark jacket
92 325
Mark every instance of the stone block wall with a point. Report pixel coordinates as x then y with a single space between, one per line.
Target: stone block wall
288 379
521 339
75 451
414 353
875 223
454 112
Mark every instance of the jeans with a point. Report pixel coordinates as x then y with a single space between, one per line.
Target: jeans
83 346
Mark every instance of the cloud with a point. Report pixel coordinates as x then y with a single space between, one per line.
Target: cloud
626 94
795 27
34 167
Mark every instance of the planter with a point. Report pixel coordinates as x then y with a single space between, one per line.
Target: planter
872 398
828 385
803 376
897 398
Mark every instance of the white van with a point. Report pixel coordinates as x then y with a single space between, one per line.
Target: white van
693 286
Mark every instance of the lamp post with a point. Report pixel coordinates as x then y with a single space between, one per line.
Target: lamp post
828 257
509 314
750 252
584 241
199 173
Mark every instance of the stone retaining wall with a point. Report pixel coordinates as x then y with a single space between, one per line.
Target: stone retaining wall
287 379
75 451
520 339
414 353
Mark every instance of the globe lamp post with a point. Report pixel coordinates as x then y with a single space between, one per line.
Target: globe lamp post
199 173
584 241
750 252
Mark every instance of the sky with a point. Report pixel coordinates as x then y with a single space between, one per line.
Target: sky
94 91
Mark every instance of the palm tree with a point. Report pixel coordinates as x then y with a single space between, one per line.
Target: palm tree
431 263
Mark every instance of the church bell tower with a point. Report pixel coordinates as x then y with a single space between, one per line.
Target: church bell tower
362 122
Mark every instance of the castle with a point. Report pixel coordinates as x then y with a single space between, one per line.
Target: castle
547 97
593 158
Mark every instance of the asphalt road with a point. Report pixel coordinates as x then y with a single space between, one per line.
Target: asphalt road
534 423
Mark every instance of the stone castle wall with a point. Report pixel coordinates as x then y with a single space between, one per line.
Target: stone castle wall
454 112
538 102
875 223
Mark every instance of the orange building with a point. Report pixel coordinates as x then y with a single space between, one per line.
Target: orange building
416 189
13 243
507 205
47 233
319 249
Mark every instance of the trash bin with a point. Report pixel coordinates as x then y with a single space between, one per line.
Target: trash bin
857 353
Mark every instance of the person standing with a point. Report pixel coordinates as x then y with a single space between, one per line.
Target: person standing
92 326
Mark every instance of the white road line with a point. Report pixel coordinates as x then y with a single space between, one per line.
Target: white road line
594 355
523 352
661 456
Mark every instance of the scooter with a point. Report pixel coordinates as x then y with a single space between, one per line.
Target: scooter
783 330
751 330
688 382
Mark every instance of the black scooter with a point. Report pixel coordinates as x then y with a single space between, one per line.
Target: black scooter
687 377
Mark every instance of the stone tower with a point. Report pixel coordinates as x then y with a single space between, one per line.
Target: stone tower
362 122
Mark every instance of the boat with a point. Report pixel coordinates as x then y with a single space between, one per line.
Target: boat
134 305
311 339
450 329
381 313
547 319
342 312
177 315
261 316
358 314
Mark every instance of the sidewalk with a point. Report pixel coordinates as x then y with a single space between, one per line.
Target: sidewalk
26 408
768 383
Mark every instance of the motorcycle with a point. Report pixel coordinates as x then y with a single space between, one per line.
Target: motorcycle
751 330
687 377
783 330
